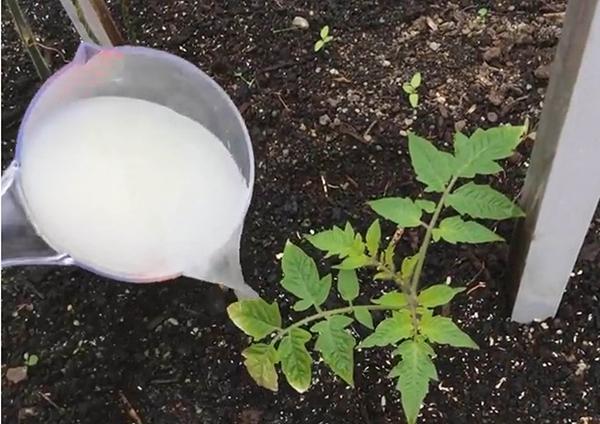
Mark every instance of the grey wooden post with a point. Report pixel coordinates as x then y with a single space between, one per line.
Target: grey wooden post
562 187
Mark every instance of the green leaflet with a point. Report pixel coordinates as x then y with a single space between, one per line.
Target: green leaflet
455 230
477 154
338 242
255 317
260 362
414 371
296 362
400 210
415 81
442 330
336 346
348 284
432 166
353 262
482 201
438 295
373 238
393 298
427 205
390 330
408 266
364 317
301 278
413 99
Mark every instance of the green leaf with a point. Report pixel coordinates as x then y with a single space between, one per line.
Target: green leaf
427 205
336 346
478 153
455 230
415 81
438 295
364 317
337 241
328 39
400 210
390 330
482 201
393 298
32 360
319 45
373 238
432 166
302 305
347 284
324 31
300 276
387 257
260 362
353 262
296 362
255 317
408 89
442 330
408 265
413 99
414 371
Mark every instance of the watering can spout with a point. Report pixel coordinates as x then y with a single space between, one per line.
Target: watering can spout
85 52
225 269
21 245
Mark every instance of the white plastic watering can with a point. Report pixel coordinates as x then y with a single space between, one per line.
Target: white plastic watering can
147 74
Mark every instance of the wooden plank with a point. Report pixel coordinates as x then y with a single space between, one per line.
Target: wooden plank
562 188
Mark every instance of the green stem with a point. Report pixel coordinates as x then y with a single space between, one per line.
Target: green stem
324 314
427 239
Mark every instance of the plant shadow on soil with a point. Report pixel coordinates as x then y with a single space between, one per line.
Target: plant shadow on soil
327 133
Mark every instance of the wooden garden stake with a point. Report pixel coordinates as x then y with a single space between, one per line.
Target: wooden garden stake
562 187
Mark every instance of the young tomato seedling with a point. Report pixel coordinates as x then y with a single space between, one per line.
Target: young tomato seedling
410 88
324 40
412 328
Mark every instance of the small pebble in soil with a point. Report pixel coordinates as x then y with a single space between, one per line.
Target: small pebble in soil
300 23
492 116
324 120
434 46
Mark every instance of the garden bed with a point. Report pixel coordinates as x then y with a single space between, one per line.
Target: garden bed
328 135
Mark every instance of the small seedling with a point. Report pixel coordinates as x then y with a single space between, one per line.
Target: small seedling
412 325
482 13
30 360
324 40
248 82
411 87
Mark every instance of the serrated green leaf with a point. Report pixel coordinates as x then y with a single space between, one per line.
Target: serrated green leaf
400 210
300 276
364 317
387 257
432 166
324 31
302 305
408 89
482 201
442 330
353 262
390 330
255 317
413 99
438 295
408 266
348 284
477 154
373 238
319 45
393 298
337 346
337 241
260 362
414 371
415 81
427 205
296 362
455 230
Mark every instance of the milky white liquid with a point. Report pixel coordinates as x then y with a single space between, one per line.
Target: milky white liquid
130 188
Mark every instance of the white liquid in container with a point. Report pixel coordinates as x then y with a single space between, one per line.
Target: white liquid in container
129 187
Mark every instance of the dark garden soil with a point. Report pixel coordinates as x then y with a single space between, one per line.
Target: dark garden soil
328 131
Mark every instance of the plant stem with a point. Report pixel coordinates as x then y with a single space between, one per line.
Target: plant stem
427 239
324 314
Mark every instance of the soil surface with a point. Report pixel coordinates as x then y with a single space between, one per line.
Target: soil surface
328 131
